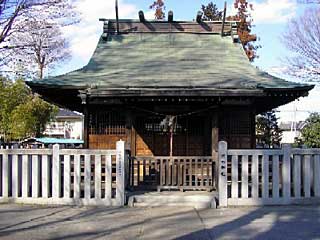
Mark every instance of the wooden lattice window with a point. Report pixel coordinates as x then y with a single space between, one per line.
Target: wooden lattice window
107 123
185 125
235 123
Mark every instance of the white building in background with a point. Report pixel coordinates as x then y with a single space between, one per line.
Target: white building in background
291 131
67 124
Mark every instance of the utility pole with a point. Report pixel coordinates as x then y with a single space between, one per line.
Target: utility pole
117 16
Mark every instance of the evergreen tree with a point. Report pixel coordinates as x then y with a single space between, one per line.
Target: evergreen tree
268 132
22 114
211 12
311 131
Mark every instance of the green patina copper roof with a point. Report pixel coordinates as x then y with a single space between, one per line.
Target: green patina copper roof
169 60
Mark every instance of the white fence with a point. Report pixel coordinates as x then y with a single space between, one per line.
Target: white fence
63 176
268 177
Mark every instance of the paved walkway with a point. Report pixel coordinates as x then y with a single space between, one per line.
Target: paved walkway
32 222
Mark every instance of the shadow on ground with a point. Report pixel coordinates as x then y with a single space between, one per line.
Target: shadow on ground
261 223
30 222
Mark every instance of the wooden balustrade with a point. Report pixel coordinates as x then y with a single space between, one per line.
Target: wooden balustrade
178 173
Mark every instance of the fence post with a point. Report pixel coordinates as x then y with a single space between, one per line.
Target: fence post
223 155
56 168
286 169
15 174
5 174
316 176
45 176
120 173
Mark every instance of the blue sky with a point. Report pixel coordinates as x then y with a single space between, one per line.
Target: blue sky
270 19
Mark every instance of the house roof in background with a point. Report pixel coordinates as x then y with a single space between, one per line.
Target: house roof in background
65 113
47 140
58 141
288 125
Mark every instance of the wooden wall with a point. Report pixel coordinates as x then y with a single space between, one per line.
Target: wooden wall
105 141
106 127
237 127
195 135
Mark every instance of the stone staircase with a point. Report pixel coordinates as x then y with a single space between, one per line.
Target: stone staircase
194 199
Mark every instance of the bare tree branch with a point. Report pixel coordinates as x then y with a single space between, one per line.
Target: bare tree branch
17 17
302 38
308 1
13 14
42 45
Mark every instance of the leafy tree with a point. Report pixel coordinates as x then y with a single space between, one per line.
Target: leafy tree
11 96
30 119
267 130
159 8
302 38
243 16
21 113
310 134
210 12
42 46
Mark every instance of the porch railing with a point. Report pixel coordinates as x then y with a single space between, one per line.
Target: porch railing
180 173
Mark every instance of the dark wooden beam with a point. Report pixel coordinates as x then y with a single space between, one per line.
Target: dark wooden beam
128 130
224 18
215 141
199 17
141 16
86 126
214 134
207 148
170 16
133 135
150 26
117 17
199 92
85 110
253 128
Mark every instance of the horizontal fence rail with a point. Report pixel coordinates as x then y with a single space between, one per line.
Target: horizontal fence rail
268 177
63 176
182 173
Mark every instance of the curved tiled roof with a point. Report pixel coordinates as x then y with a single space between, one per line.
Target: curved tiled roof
168 60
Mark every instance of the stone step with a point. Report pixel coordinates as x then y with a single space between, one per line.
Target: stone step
192 199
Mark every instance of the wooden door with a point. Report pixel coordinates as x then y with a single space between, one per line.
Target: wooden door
189 138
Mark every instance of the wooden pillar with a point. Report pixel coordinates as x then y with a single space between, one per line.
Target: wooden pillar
128 130
207 146
133 136
253 128
187 137
214 134
86 126
215 145
85 110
